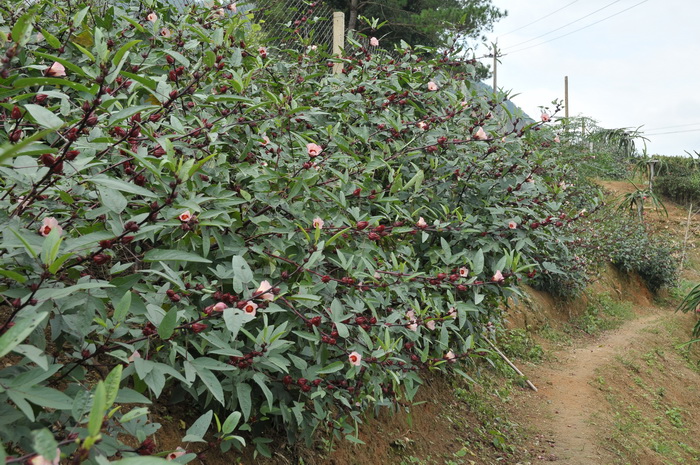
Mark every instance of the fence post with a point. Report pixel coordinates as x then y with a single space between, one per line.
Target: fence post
338 38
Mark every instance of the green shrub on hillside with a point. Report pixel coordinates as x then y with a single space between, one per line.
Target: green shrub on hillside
626 243
678 179
236 229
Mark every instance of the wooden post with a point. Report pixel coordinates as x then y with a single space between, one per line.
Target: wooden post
495 70
687 233
511 364
566 96
338 38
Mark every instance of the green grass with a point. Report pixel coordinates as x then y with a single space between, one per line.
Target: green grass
603 314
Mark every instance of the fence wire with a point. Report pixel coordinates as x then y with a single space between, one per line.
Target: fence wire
295 23
283 23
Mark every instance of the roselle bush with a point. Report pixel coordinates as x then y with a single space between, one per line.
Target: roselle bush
612 236
195 216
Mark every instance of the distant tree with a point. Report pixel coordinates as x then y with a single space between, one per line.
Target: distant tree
424 22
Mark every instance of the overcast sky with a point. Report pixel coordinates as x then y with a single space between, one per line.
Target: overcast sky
640 67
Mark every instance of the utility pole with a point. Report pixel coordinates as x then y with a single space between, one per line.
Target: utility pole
566 96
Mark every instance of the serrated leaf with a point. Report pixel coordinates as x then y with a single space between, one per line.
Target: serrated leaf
45 397
69 65
260 379
129 396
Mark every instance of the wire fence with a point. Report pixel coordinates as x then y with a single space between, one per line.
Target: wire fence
295 23
283 23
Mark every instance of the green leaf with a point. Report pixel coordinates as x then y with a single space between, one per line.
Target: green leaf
8 150
44 443
58 292
129 396
478 262
133 414
113 199
168 324
46 81
19 332
34 354
112 382
416 181
245 402
80 16
97 413
211 382
45 397
13 275
22 28
260 379
158 255
128 112
52 41
122 186
241 270
231 422
85 51
122 308
332 368
69 65
145 460
50 247
44 117
354 439
196 432
56 265
235 319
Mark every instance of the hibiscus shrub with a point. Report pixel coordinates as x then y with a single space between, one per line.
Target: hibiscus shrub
234 227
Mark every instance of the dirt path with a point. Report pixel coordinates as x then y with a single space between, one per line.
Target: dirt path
568 397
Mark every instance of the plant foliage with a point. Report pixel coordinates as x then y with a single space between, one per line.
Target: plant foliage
235 228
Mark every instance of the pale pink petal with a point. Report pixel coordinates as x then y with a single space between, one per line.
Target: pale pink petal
355 359
262 291
56 70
